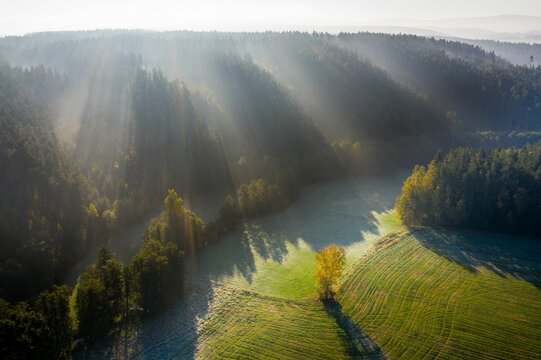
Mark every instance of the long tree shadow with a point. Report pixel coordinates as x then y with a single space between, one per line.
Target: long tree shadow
361 345
172 333
341 213
505 255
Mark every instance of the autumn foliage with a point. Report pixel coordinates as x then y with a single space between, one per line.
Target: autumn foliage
329 267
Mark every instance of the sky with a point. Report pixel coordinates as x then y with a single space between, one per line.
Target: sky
23 16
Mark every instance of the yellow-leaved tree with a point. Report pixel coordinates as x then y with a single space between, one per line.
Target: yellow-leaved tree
329 266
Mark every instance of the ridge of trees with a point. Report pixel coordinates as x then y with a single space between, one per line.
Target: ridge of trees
42 195
483 90
497 190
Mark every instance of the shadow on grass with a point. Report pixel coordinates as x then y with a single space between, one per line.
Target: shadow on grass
171 333
361 345
340 213
505 255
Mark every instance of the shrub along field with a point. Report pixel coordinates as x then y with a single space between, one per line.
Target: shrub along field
434 294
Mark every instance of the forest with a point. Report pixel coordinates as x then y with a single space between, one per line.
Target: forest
100 130
497 190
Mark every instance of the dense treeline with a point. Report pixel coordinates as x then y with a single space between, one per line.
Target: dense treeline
42 216
479 90
177 225
106 295
491 190
170 146
335 83
528 54
41 330
272 95
253 106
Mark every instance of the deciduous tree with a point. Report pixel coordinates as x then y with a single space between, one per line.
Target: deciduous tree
329 266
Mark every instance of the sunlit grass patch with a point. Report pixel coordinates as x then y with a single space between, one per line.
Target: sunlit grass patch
260 327
289 272
417 303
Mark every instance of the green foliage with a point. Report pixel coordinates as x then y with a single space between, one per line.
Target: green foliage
177 224
492 190
41 208
169 146
99 296
485 91
23 331
109 216
96 230
141 133
156 271
54 306
258 198
41 331
229 213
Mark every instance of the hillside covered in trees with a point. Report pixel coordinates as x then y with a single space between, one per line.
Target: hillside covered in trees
497 190
101 131
117 118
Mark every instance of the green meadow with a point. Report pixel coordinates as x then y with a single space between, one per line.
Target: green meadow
405 294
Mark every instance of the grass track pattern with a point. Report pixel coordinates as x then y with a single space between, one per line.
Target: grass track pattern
417 304
261 327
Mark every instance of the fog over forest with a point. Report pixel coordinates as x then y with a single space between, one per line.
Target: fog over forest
240 165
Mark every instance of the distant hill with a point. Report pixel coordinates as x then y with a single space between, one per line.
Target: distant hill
514 28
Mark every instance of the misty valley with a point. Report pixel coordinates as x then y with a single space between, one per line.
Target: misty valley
269 195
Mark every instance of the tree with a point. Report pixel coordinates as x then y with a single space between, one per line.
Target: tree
156 273
23 332
329 266
95 230
177 224
98 296
229 213
54 306
111 275
38 331
488 190
109 216
90 305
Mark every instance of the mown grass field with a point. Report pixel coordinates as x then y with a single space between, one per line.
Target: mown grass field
286 268
422 294
419 295
418 304
251 326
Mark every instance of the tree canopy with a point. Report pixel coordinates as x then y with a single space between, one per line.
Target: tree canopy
498 190
330 263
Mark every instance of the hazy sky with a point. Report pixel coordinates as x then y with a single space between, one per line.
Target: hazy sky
23 16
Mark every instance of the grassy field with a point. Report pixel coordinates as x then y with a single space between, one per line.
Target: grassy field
420 294
417 303
291 275
251 326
